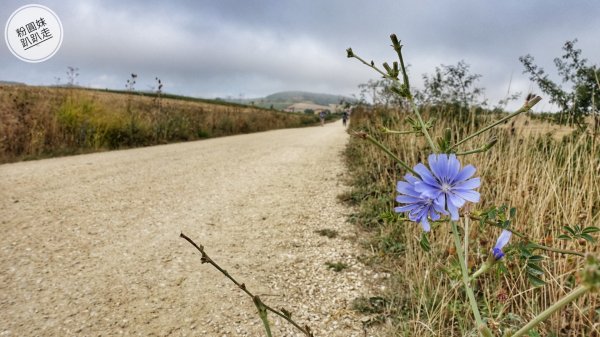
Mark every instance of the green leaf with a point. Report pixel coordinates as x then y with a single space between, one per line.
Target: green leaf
564 237
588 237
590 229
533 333
513 212
534 269
535 281
569 229
525 252
424 243
536 258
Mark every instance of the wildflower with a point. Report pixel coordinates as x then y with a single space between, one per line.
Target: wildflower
502 241
417 206
447 184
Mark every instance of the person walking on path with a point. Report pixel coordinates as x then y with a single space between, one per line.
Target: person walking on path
344 117
322 117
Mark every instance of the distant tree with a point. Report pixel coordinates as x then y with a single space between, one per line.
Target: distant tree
72 74
309 111
452 84
380 93
584 96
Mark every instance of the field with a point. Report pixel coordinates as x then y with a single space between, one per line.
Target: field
40 122
550 174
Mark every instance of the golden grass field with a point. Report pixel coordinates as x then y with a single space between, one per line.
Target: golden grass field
42 121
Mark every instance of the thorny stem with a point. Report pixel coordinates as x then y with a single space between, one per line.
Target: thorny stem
423 127
398 47
526 107
483 329
262 308
388 152
386 130
523 236
371 66
570 297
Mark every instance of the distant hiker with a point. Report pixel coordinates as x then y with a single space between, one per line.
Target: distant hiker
322 117
344 117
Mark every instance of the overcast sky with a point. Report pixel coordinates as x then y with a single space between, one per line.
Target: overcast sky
223 48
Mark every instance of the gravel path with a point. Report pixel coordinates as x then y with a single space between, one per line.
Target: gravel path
89 245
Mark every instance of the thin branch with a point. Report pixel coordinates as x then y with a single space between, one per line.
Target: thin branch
262 308
526 107
526 238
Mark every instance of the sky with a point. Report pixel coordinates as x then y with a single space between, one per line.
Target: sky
252 48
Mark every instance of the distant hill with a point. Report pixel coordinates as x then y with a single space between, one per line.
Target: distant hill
11 83
287 100
304 97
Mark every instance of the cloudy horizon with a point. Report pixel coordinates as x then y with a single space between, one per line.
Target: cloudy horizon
233 48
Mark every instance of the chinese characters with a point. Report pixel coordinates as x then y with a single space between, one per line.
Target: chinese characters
33 33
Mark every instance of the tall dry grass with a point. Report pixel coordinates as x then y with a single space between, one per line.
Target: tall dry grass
552 180
40 121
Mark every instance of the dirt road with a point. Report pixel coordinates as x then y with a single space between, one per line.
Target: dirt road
89 245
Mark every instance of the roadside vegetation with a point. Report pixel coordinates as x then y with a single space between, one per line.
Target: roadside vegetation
541 177
37 122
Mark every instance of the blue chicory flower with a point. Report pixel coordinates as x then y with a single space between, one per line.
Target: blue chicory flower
447 184
502 241
417 206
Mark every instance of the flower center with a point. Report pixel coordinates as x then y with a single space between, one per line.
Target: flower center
446 187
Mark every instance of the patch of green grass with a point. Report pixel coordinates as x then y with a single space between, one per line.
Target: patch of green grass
330 233
336 266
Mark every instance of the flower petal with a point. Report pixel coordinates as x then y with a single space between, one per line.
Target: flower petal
453 212
425 174
468 184
453 167
455 200
407 199
405 208
468 195
406 188
467 172
425 224
503 239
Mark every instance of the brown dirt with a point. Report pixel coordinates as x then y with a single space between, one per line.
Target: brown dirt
90 244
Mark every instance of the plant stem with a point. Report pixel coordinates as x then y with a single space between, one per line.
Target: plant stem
526 107
465 278
389 153
570 297
262 308
372 66
423 127
262 312
523 236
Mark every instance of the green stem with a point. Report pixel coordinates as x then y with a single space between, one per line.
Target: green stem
262 312
423 127
523 236
526 107
372 66
386 130
570 297
465 278
557 250
389 153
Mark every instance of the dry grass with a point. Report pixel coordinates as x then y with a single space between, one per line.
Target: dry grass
551 178
40 121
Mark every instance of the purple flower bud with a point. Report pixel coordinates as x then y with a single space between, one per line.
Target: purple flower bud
502 241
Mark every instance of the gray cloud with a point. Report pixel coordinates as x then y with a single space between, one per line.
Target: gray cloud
219 48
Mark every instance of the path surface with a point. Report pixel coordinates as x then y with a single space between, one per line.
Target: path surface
89 245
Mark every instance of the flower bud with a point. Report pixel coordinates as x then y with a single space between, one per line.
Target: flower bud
349 52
